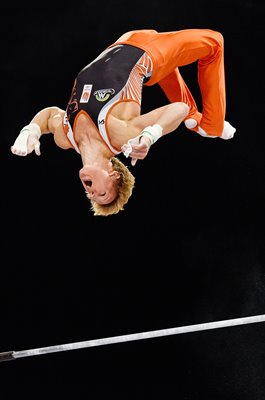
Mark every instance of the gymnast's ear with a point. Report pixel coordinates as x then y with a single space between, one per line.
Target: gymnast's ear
115 174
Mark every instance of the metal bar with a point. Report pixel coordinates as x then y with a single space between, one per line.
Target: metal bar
11 355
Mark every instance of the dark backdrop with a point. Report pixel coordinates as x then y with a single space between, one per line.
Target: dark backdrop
189 247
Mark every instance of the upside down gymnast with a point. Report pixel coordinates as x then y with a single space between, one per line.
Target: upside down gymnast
103 117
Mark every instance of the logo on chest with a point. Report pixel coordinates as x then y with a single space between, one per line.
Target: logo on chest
103 94
86 93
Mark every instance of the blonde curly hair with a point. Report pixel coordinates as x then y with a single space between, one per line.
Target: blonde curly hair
125 185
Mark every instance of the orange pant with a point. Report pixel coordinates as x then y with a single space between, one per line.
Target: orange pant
170 50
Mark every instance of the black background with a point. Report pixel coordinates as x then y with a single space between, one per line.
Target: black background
189 247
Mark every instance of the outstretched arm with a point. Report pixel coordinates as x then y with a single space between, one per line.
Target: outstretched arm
43 122
169 117
153 125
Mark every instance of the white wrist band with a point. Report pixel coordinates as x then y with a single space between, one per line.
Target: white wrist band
33 128
153 132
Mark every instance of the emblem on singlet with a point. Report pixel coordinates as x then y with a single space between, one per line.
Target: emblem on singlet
103 94
86 93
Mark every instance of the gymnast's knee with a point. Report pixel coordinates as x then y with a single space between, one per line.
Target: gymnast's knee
218 38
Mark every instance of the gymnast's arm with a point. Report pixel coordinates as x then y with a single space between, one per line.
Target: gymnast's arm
169 117
44 122
153 125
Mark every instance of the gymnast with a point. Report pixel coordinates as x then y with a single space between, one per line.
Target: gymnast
103 116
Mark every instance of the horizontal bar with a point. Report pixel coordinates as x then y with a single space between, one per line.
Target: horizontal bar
132 337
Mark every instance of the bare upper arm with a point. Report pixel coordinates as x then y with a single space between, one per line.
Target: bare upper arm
55 119
168 117
49 119
149 118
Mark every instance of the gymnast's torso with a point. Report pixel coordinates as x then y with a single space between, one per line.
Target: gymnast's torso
110 86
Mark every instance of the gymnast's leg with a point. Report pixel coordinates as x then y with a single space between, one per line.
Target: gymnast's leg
176 90
206 47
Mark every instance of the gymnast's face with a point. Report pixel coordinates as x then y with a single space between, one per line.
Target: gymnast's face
100 184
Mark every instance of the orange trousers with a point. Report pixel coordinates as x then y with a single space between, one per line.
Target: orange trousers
170 50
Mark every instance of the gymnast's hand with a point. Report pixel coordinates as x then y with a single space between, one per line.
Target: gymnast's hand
137 148
27 141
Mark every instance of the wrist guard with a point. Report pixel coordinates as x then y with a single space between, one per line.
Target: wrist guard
153 132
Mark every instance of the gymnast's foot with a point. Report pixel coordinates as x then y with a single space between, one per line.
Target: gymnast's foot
228 132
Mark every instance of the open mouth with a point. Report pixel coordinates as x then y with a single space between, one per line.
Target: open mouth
88 183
